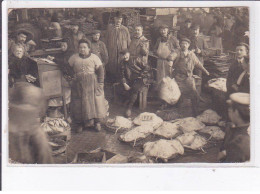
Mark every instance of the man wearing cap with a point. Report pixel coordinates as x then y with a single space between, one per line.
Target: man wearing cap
199 46
185 31
133 76
238 74
24 39
236 145
184 66
139 46
98 47
165 48
117 39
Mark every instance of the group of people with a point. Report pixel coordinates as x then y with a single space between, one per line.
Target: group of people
86 62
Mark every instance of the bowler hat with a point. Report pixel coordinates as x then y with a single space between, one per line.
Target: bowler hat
243 44
119 14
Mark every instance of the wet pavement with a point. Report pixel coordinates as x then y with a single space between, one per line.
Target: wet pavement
90 140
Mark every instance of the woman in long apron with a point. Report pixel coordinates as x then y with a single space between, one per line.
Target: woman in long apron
88 100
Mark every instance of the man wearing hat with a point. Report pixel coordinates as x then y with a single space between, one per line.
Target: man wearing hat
236 145
24 39
199 46
98 47
184 66
165 48
185 31
139 46
117 39
238 74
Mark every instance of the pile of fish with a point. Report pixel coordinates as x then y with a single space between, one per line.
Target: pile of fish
58 132
209 117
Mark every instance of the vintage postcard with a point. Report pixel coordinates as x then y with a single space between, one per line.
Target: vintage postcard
94 85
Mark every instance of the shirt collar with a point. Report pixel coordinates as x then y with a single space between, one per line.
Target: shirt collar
241 60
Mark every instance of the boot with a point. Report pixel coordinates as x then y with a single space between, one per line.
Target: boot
79 129
98 126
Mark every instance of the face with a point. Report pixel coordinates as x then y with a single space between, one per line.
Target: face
75 29
84 49
196 32
64 46
118 21
188 24
184 45
21 38
164 32
138 31
96 36
126 56
233 114
18 52
241 51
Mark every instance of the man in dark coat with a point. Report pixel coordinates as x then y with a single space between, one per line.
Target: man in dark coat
236 145
238 74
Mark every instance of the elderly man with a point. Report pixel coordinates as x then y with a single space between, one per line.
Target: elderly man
184 66
21 40
98 47
238 74
118 39
139 46
165 49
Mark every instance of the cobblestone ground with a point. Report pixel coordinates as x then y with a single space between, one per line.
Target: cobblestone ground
90 139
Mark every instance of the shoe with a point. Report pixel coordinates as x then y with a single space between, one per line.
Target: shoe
98 127
79 129
128 112
90 123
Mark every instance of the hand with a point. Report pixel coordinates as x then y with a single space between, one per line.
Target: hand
31 42
100 89
30 78
170 63
50 58
235 87
198 50
207 73
126 86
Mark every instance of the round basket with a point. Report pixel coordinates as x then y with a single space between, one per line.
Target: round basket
141 141
108 127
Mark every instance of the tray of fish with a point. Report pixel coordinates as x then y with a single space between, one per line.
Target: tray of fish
118 125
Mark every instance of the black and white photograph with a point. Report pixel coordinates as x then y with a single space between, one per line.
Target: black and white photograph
128 85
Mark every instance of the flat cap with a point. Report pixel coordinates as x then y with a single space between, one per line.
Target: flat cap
164 26
240 98
188 20
119 14
195 27
186 40
124 51
243 44
96 32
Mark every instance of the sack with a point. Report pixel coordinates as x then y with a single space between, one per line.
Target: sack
149 119
169 91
